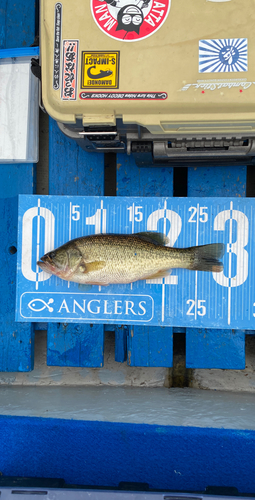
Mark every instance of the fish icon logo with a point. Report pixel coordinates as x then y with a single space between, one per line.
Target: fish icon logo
38 305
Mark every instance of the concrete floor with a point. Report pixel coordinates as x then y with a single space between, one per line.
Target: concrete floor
160 406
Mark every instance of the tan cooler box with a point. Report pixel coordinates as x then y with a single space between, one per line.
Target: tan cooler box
168 80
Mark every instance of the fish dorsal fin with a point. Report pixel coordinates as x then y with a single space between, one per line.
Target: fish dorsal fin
153 237
97 265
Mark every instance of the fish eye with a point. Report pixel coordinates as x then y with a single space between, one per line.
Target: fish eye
52 255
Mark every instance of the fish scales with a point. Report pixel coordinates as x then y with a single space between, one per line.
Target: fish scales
130 258
106 259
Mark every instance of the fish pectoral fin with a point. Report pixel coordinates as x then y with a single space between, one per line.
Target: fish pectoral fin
159 274
84 287
153 237
97 265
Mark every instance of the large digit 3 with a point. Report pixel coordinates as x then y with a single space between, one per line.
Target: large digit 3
236 248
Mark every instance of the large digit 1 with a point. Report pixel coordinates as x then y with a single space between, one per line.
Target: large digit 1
27 241
98 220
236 248
175 229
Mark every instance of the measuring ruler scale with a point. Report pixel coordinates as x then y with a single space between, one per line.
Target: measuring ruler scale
184 298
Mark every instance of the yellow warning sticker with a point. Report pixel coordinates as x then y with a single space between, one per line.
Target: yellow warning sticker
100 70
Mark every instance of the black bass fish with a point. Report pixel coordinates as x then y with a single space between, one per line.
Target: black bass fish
105 259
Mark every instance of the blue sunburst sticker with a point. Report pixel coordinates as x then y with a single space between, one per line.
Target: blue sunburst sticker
224 55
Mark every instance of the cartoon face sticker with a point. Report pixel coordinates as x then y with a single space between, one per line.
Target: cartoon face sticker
130 20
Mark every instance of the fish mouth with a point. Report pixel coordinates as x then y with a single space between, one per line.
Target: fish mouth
46 264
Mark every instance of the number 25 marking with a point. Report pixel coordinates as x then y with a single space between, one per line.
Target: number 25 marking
201 309
203 215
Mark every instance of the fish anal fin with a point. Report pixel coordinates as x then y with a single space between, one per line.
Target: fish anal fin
160 274
153 237
97 265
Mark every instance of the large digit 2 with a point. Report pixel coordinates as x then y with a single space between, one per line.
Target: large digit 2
173 234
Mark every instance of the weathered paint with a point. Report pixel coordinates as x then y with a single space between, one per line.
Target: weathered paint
211 353
73 171
17 22
203 345
146 181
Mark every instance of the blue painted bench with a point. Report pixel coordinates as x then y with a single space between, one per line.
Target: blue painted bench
105 453
73 171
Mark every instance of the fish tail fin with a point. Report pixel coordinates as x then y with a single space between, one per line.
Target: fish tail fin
207 258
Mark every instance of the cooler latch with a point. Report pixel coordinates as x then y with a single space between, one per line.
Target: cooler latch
102 139
100 133
163 150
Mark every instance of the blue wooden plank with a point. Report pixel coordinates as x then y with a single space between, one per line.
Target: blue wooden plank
150 346
73 171
145 181
209 349
217 181
121 333
16 339
76 346
17 25
203 346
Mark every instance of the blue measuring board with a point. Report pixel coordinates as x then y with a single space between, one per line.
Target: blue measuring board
185 298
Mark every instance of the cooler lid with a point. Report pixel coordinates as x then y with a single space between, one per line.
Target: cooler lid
173 66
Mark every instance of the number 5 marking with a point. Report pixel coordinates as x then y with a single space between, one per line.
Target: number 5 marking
75 212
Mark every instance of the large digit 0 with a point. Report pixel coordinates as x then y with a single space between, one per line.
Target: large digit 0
27 240
175 229
237 247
